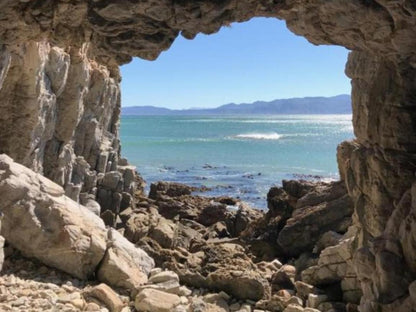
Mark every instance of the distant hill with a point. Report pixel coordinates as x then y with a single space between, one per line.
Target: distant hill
340 104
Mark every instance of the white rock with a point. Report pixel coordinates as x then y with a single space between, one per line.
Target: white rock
124 265
163 277
315 300
156 301
41 222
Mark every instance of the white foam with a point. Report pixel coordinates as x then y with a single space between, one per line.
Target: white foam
259 136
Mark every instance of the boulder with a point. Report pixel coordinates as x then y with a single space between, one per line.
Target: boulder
107 296
281 280
41 222
170 189
238 283
328 207
166 281
153 300
124 265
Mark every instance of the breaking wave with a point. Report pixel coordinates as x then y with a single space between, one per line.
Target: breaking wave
258 136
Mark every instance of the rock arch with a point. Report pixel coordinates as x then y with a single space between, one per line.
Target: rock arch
60 103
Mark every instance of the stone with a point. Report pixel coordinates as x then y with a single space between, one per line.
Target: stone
317 212
163 276
328 239
156 301
295 300
107 296
124 265
163 232
41 222
91 306
293 308
281 280
170 189
155 271
303 289
315 300
184 291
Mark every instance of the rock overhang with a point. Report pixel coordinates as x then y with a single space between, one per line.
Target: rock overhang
119 30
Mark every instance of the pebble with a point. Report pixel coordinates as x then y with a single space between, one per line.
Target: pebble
28 286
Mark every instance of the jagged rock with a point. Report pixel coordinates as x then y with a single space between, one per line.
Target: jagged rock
328 239
163 232
281 280
156 301
335 267
328 207
239 222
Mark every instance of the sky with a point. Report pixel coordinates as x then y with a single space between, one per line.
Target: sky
247 62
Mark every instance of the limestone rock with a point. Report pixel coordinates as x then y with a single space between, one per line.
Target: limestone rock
43 223
156 301
166 281
124 265
106 295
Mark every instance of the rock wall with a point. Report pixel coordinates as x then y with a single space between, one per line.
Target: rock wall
60 104
60 117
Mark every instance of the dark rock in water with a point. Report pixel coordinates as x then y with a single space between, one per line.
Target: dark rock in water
248 176
307 176
208 166
227 200
171 189
203 188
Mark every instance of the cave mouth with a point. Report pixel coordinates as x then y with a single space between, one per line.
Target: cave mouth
237 155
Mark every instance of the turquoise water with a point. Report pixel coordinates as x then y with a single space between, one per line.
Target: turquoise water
236 156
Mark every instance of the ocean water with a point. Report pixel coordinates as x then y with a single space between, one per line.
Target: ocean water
239 156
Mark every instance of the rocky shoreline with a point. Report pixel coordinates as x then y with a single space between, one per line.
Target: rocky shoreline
173 251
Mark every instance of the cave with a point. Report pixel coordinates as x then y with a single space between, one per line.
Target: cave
60 104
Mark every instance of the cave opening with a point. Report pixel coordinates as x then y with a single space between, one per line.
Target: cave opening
240 154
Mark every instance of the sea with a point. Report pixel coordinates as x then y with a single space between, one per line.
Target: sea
238 156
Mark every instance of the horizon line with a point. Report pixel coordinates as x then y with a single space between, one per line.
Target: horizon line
242 103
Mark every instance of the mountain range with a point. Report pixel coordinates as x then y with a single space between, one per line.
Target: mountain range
340 104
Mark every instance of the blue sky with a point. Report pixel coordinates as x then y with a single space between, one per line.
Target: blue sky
256 60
